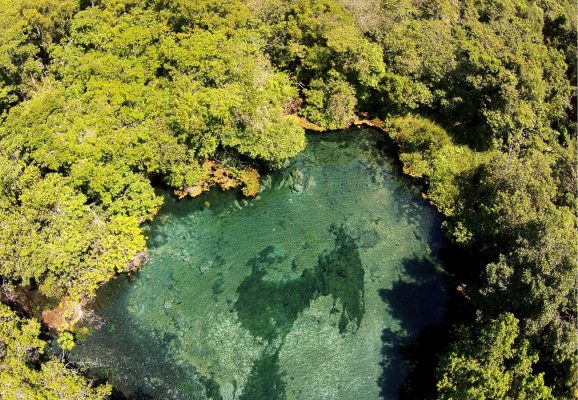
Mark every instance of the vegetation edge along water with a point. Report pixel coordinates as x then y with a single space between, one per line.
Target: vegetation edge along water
100 98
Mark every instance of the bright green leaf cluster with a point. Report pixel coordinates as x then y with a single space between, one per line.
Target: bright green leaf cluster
495 366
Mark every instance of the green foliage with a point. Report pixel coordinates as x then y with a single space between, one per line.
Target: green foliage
67 246
497 365
128 98
535 274
29 29
99 98
20 353
319 43
428 151
512 211
330 104
459 59
66 341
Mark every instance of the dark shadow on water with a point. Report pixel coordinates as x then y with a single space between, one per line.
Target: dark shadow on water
266 380
266 308
269 308
417 301
423 352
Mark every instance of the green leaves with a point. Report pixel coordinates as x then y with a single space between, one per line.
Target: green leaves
95 103
29 30
509 211
318 42
20 352
65 341
65 245
428 151
482 64
497 365
330 104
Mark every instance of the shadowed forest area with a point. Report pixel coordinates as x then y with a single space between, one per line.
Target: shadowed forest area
104 101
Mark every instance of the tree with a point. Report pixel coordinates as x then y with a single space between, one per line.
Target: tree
20 354
29 29
497 365
330 104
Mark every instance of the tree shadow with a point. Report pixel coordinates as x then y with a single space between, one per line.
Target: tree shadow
269 308
417 301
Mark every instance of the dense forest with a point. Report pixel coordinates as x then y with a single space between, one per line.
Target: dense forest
101 101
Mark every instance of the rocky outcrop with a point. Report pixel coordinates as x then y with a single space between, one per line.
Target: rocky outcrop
64 317
217 174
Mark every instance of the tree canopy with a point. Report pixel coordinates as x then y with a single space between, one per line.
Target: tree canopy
21 352
103 101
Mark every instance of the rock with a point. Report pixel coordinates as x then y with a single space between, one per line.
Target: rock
65 316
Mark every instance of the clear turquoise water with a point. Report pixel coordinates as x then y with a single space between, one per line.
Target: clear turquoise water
304 292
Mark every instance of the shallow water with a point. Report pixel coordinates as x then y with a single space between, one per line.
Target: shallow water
305 292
